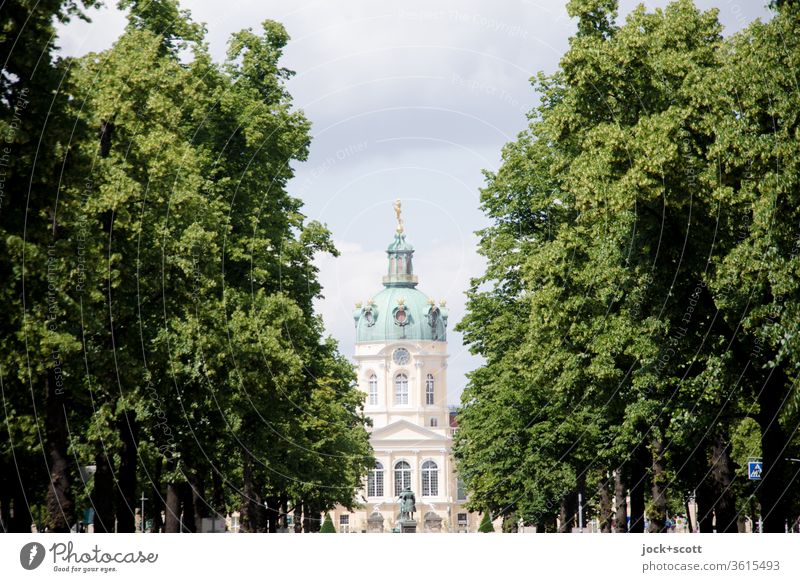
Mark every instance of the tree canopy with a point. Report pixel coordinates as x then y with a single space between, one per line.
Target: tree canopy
638 310
158 330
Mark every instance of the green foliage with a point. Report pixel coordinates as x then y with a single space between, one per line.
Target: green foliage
174 278
486 524
327 525
594 16
640 291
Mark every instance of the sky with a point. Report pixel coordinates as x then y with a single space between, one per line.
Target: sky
409 100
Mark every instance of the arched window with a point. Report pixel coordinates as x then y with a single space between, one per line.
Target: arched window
402 476
373 389
430 479
429 398
375 481
401 389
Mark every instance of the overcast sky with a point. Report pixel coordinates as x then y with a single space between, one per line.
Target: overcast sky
408 100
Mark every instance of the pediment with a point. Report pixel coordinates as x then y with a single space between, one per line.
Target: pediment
403 430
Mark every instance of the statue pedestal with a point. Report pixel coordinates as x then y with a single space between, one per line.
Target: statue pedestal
408 526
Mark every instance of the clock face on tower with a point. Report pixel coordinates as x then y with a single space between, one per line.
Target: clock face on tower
401 356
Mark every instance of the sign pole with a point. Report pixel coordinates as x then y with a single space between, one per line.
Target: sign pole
142 515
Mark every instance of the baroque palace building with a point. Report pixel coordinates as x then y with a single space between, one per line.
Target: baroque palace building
401 357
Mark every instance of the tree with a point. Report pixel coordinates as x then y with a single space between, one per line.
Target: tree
624 303
170 289
755 284
486 524
327 525
37 338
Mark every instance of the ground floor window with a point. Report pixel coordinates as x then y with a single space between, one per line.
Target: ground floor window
344 524
402 476
430 479
375 481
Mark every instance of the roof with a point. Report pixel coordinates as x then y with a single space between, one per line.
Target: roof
400 311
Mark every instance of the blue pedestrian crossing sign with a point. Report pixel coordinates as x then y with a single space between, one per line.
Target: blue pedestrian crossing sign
754 469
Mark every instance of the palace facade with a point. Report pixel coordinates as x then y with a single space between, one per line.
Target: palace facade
401 356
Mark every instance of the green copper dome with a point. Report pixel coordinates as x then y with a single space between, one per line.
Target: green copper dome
400 311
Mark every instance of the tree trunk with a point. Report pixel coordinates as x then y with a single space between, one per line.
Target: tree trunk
217 493
311 521
606 512
773 485
188 524
273 513
254 514
156 497
9 485
7 476
658 513
705 507
722 472
20 518
569 509
307 521
106 134
563 516
59 500
249 504
510 523
638 478
5 510
298 516
103 494
126 480
284 509
199 504
621 502
173 511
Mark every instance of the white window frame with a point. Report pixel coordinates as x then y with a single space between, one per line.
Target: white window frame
405 476
430 479
430 395
375 481
461 489
344 523
401 388
372 383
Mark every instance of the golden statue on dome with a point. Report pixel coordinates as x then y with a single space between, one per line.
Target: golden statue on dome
398 207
